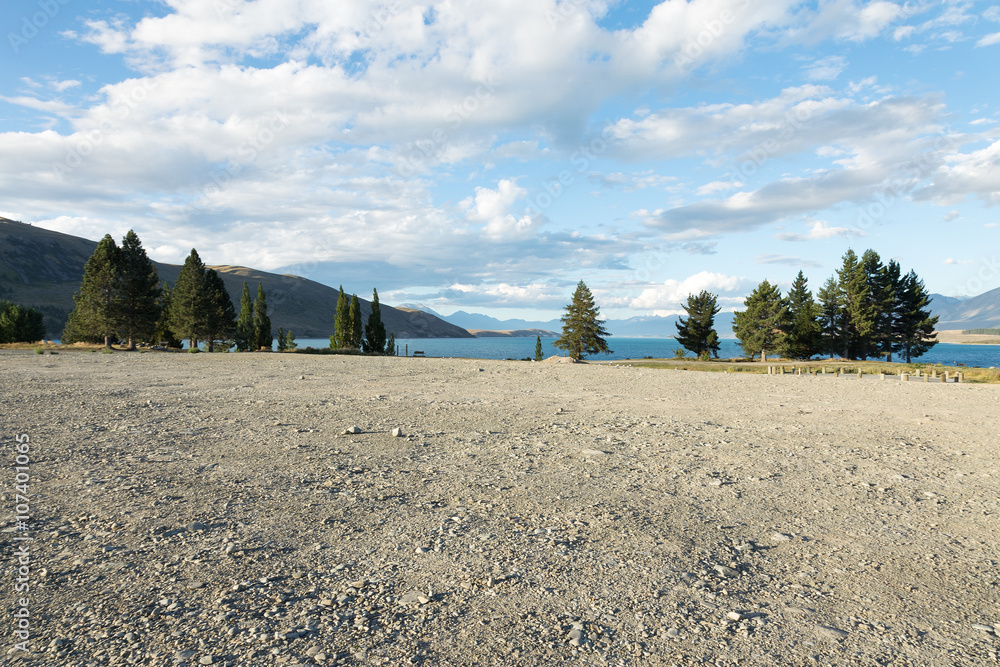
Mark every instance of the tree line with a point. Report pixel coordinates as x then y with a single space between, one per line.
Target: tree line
867 309
121 298
19 324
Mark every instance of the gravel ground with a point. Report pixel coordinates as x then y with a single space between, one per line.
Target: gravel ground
214 510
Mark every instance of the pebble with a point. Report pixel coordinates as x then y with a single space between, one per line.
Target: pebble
352 430
207 660
397 432
726 571
780 537
984 628
829 632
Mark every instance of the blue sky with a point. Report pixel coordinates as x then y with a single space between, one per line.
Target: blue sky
487 156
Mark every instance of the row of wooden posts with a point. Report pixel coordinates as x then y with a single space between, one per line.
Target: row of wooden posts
933 376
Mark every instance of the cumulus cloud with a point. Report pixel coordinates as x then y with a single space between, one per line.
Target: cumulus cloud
820 230
671 293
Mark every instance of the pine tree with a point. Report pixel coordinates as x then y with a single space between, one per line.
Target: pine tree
831 313
888 321
858 321
189 302
390 346
538 348
163 333
244 324
915 328
374 342
139 291
697 332
760 327
281 339
879 302
95 316
262 334
356 323
802 339
583 329
220 325
342 322
290 343
19 324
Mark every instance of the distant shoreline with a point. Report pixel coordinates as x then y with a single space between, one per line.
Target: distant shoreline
955 336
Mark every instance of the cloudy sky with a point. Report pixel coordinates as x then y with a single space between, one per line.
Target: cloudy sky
487 156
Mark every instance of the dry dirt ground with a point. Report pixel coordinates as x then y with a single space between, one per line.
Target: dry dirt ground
210 509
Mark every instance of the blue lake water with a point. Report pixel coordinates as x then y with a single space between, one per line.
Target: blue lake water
636 348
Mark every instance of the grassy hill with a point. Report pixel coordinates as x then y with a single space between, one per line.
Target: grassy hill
43 269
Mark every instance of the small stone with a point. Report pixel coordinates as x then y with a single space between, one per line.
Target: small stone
735 616
196 525
207 660
673 633
412 597
983 628
577 637
830 633
397 432
780 537
726 571
352 430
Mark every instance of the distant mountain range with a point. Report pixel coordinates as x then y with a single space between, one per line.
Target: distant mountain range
43 269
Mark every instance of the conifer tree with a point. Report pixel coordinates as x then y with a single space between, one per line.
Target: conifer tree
163 333
139 291
290 343
390 346
915 326
342 322
356 323
244 324
583 329
19 324
831 314
281 339
879 302
189 302
263 336
858 321
220 325
760 328
374 342
697 333
95 316
802 336
538 348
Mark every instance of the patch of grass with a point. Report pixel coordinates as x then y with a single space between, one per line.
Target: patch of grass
39 350
107 350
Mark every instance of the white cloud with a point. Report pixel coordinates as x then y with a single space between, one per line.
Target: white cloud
964 174
672 292
787 260
826 69
951 260
989 40
820 230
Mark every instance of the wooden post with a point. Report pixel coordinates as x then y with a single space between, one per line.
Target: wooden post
960 377
881 376
904 377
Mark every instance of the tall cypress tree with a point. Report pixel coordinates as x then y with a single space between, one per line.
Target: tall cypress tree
802 339
263 336
244 325
539 355
374 342
137 305
760 327
342 322
583 329
879 305
697 332
163 332
95 316
189 302
356 324
220 325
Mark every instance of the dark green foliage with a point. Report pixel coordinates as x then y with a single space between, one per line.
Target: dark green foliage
802 336
697 332
583 329
19 324
262 333
858 318
538 348
95 317
137 307
289 340
831 315
375 337
163 333
244 324
220 324
342 322
914 331
760 328
390 346
189 302
354 316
